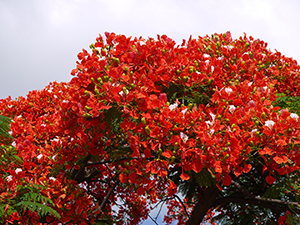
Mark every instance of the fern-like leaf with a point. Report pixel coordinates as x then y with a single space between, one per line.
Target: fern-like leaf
41 209
33 200
36 197
4 128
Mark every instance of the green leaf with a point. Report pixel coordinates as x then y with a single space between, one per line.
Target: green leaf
41 209
4 128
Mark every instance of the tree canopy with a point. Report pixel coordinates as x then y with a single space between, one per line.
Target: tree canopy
210 128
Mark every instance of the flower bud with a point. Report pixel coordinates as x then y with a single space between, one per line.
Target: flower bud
226 156
190 106
175 145
147 130
263 115
173 158
100 80
124 90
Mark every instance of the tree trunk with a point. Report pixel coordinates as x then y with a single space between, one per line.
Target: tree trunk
205 203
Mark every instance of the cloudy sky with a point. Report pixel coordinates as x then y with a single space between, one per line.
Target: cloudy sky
40 39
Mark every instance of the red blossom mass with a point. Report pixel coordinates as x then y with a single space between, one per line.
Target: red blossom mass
142 118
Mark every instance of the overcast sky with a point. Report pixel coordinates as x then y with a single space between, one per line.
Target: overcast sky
40 39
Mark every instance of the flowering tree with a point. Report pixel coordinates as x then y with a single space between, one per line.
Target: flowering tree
209 128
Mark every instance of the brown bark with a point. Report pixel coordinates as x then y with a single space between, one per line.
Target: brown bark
205 203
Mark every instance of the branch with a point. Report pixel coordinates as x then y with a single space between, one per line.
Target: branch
242 190
186 212
277 201
160 208
106 161
205 203
114 160
84 174
232 199
152 219
100 221
106 197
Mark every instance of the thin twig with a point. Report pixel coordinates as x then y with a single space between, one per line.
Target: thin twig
113 160
106 161
186 212
146 212
159 210
152 219
158 203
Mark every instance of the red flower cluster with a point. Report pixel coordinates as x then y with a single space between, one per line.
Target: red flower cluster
137 109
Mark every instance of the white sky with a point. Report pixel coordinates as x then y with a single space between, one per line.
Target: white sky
40 39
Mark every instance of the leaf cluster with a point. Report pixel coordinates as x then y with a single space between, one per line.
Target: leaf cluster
30 199
290 102
5 137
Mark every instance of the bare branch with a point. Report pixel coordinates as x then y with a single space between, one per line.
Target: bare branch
160 208
152 219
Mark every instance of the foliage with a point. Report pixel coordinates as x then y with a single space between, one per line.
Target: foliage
214 119
4 128
289 102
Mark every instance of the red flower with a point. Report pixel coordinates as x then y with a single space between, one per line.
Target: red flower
163 97
227 180
172 189
270 179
